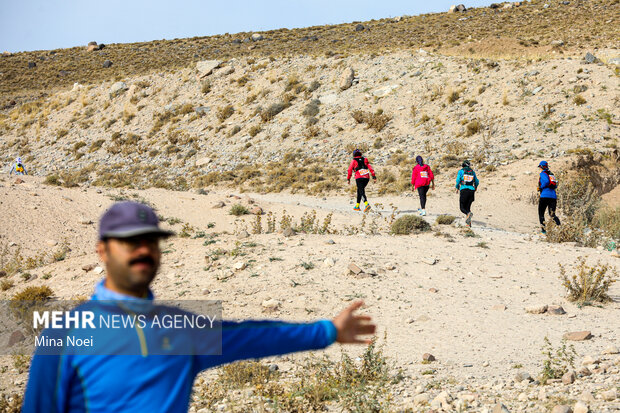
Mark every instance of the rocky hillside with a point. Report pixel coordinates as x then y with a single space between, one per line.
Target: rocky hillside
515 29
200 125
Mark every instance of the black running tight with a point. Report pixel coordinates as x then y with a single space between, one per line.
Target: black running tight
361 189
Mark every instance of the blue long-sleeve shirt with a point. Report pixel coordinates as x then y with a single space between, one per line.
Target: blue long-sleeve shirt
156 383
545 191
460 184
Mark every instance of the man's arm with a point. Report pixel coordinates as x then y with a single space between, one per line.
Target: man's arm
256 339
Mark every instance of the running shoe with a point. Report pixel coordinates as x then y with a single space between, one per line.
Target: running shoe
367 208
356 208
468 219
423 213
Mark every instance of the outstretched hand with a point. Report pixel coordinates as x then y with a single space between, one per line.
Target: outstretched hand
350 326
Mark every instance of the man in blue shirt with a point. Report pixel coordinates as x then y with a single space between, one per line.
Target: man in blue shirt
547 184
467 183
149 379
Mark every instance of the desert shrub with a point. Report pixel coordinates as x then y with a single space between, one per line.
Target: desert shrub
377 121
453 96
608 220
96 145
238 210
234 130
52 180
359 116
60 133
6 285
255 130
246 373
40 293
557 361
205 87
589 283
312 108
268 114
314 86
225 112
445 219
579 100
407 224
186 108
473 127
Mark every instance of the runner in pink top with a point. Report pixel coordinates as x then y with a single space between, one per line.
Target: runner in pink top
363 171
421 178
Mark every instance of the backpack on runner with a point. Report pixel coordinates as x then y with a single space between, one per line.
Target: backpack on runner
553 182
19 168
361 166
469 178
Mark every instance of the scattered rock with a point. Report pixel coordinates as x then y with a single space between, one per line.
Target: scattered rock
354 268
569 377
206 67
590 58
537 310
329 262
430 261
346 78
581 407
289 232
89 267
433 290
614 61
256 210
421 399
584 371
428 357
107 64
611 350
609 395
359 28
2 274
562 408
238 266
589 360
499 307
330 242
495 6
219 204
118 88
98 270
273 367
16 337
537 90
85 221
460 8
243 234
202 110
256 37
523 376
578 336
271 304
18 181
555 310
32 65
500 408
557 43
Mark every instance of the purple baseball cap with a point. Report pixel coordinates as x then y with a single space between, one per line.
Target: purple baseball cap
130 219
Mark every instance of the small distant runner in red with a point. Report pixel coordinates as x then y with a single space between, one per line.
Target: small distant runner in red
421 179
363 171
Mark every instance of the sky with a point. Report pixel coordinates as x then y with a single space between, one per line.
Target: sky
27 25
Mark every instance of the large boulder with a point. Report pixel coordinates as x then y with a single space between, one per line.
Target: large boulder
346 78
459 8
206 67
257 37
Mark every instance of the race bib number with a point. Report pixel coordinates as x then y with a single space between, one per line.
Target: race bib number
468 178
363 172
424 174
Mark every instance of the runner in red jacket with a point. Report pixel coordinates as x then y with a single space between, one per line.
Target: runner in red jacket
421 178
363 171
